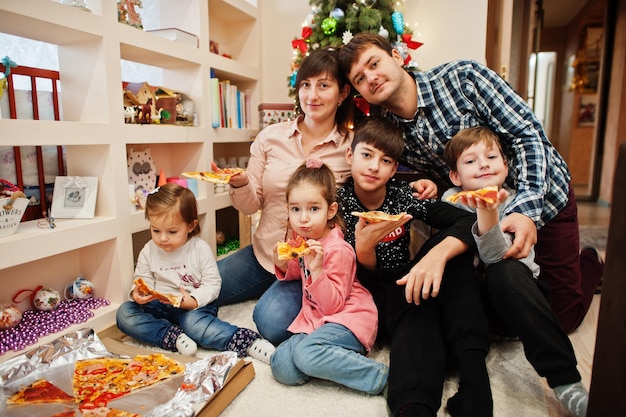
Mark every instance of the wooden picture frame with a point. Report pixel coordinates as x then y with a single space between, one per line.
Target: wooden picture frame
74 197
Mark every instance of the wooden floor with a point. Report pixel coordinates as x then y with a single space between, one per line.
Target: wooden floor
584 338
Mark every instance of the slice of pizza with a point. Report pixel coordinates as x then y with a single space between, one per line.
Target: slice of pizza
376 216
292 249
172 299
108 412
217 176
100 380
488 194
40 391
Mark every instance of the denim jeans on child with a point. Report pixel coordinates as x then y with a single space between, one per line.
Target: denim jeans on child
152 322
331 352
243 278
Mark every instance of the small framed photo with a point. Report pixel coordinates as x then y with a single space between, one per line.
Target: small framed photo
74 197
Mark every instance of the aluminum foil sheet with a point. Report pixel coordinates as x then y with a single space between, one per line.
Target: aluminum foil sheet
180 396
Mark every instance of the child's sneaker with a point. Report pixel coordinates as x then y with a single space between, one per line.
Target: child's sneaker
185 345
262 350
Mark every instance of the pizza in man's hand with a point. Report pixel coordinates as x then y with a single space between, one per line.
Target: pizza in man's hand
292 249
488 194
172 299
40 391
376 216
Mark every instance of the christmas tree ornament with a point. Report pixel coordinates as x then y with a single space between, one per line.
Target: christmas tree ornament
79 288
368 3
337 14
346 37
383 32
42 298
397 19
10 316
329 25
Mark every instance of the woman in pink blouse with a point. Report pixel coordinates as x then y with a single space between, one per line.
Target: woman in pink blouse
321 132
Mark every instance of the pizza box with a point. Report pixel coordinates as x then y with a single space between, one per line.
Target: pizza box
238 377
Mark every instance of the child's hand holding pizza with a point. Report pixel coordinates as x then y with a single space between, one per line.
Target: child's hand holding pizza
315 258
140 297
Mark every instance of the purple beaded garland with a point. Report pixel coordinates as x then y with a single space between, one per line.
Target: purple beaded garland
36 324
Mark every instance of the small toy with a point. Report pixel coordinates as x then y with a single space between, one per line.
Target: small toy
79 288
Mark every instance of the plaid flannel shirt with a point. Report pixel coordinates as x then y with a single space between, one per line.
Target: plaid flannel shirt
462 94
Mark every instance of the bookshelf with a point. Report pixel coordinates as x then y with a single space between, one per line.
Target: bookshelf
91 46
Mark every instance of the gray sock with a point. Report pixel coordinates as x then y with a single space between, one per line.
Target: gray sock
574 397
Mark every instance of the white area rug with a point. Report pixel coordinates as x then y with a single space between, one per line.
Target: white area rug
516 387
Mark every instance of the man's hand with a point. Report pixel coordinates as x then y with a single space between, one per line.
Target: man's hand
424 189
525 232
424 279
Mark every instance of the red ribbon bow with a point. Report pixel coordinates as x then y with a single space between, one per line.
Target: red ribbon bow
301 43
406 38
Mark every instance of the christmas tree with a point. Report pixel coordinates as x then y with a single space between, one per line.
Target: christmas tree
333 23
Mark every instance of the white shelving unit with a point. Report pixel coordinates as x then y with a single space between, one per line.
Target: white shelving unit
91 47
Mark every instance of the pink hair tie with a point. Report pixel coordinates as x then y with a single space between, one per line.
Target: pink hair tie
314 163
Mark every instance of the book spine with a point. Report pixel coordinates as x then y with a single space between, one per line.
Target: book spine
215 102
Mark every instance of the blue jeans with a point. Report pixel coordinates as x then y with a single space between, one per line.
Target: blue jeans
331 352
243 278
151 323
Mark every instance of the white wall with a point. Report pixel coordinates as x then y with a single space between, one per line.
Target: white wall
450 29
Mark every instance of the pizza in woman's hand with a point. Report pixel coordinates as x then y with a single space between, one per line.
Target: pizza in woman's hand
376 216
488 194
217 176
292 249
40 391
172 299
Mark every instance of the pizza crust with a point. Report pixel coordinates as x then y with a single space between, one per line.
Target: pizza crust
172 299
376 216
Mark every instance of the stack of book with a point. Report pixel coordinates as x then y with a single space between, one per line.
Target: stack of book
230 106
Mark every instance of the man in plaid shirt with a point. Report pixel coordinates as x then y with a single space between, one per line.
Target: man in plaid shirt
432 106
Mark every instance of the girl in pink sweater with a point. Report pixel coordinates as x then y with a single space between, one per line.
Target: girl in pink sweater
338 322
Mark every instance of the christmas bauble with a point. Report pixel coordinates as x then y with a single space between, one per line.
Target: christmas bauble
9 317
79 288
337 13
46 299
329 25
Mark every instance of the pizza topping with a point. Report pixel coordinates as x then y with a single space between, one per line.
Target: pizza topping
40 391
96 389
292 249
376 216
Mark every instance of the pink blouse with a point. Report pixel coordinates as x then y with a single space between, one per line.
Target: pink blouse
274 155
